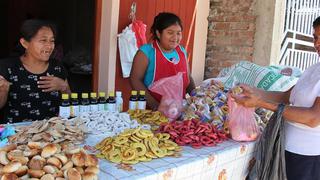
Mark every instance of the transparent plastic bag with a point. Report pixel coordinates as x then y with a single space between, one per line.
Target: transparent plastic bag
242 123
171 90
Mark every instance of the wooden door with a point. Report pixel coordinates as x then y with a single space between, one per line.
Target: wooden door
146 10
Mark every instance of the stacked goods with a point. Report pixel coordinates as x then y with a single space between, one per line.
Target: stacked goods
208 103
193 132
154 118
108 123
135 145
51 162
53 130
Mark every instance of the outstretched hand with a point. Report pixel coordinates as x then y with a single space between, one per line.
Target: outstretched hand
249 97
52 83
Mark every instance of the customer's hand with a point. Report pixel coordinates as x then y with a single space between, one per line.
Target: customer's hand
249 97
4 84
52 83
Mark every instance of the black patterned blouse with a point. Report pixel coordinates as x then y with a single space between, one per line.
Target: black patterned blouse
27 102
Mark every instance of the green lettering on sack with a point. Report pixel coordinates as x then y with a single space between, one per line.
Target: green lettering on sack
268 80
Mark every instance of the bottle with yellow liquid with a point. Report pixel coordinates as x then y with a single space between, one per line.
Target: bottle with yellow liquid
74 107
64 108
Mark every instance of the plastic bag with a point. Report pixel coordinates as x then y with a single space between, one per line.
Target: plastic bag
270 151
171 90
242 123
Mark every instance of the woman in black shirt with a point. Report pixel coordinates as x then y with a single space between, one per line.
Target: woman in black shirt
30 85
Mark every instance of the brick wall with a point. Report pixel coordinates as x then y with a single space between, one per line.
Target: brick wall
230 34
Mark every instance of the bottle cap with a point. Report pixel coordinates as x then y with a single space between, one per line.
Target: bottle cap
74 95
65 96
111 93
134 93
118 93
142 93
84 95
93 95
102 94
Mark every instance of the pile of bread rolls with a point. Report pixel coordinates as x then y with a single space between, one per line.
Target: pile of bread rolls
51 162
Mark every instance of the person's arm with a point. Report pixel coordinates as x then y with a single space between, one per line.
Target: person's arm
252 97
4 90
191 85
139 67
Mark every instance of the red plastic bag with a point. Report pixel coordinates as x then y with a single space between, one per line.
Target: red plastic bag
171 90
242 123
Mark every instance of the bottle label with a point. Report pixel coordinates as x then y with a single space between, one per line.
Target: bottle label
142 105
64 111
94 107
132 105
74 111
101 107
111 107
84 108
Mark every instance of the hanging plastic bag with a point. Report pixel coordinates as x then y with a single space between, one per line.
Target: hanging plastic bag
171 90
242 123
139 28
270 151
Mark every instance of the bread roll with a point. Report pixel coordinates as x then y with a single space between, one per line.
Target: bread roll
49 150
36 173
10 176
11 167
23 160
58 173
31 152
63 158
37 163
93 169
3 158
80 170
14 153
55 162
9 147
68 165
49 169
35 145
73 174
21 171
89 176
91 160
79 159
47 177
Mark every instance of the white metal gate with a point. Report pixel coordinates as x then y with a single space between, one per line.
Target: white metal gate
297 45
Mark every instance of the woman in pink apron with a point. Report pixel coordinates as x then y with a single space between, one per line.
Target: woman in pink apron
162 58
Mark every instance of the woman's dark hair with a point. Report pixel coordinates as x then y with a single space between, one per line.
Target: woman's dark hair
162 21
30 28
316 22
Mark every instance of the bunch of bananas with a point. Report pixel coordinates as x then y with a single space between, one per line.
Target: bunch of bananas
154 118
135 145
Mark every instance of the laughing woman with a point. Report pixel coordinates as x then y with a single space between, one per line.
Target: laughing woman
31 85
162 58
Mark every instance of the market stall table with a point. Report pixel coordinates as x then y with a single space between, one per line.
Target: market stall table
228 160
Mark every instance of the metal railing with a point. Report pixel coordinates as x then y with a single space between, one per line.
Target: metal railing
299 17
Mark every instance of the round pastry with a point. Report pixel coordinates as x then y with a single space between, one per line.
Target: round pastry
10 176
93 169
67 165
49 169
21 171
37 163
80 170
3 158
30 152
49 150
36 173
11 167
55 162
23 160
14 153
63 158
72 174
35 145
91 160
78 159
47 177
89 176
9 147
